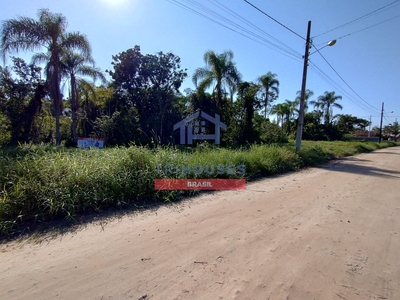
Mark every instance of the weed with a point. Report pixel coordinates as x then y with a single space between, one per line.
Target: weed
38 184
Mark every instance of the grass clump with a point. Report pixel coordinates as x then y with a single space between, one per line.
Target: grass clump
38 184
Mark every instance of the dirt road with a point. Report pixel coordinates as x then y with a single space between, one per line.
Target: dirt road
323 233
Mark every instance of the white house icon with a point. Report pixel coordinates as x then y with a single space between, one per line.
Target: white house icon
198 132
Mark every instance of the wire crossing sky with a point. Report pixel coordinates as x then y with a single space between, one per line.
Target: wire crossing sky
359 18
273 19
363 67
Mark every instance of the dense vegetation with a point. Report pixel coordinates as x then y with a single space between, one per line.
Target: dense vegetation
60 95
42 184
53 98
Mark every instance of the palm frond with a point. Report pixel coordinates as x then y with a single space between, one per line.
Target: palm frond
40 58
199 74
24 34
78 42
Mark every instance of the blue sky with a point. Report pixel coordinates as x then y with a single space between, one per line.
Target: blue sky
366 54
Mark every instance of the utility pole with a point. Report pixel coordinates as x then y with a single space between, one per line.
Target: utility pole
369 128
303 91
380 128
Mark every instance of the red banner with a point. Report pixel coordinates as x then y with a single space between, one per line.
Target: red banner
199 184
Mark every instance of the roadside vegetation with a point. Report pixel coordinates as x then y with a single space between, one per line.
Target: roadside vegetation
41 184
60 95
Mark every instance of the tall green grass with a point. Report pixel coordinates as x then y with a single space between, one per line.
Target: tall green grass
46 183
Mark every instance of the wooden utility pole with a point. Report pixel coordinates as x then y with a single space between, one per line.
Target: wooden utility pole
303 90
380 128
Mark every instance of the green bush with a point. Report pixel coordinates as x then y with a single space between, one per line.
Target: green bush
45 183
272 133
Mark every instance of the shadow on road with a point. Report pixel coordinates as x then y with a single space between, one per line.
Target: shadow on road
384 152
347 165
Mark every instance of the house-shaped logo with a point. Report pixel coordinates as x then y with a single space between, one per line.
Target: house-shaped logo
196 128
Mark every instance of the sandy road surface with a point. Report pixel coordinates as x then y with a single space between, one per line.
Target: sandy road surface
323 233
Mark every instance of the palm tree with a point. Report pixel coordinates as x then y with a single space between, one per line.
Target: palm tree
49 32
291 108
221 71
326 103
74 65
270 89
307 95
282 110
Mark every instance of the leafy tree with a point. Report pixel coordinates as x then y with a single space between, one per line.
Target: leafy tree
49 31
21 98
248 103
200 100
5 130
326 103
219 71
392 130
45 124
269 89
105 125
271 133
347 124
376 130
313 129
146 87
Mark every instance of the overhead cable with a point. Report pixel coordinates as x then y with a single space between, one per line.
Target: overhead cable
336 86
357 19
219 19
246 21
346 35
284 26
344 80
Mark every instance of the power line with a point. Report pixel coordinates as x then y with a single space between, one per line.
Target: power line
264 13
219 19
345 80
387 117
346 35
234 14
318 52
219 5
357 19
336 86
211 19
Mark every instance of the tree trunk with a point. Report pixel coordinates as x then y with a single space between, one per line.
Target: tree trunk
56 95
74 108
266 104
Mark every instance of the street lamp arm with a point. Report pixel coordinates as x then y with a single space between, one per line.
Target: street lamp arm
330 44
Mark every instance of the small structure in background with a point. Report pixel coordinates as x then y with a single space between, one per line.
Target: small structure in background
87 143
364 135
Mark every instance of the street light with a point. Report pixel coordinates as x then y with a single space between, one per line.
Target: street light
303 86
330 44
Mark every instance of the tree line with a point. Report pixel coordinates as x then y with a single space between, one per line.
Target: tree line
61 95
